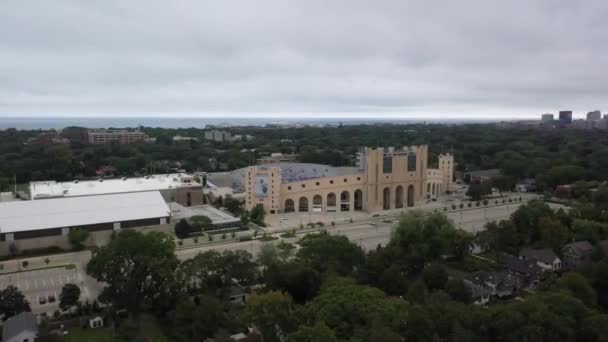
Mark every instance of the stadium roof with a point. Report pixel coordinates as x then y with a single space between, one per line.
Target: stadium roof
51 189
77 211
290 172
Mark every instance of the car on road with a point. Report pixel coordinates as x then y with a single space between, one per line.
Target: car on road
41 300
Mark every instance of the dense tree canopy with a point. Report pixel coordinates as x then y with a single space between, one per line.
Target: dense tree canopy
138 270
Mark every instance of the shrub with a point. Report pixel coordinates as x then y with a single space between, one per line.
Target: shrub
510 200
195 240
453 206
496 202
47 260
477 203
301 226
25 263
224 236
311 224
485 202
445 208
320 224
469 204
210 237
333 223
233 235
461 205
180 242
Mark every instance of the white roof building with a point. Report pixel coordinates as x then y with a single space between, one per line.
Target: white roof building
20 216
53 189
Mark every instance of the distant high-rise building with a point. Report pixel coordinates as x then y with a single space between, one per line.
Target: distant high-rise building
594 116
605 116
565 117
547 117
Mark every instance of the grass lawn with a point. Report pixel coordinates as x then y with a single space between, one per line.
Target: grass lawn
149 328
89 335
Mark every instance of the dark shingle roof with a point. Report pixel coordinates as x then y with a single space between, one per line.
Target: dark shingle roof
25 321
520 265
584 246
545 255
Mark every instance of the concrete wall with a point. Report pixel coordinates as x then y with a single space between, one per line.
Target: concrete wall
96 238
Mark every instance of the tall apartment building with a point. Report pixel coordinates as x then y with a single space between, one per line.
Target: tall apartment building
217 136
565 117
120 136
547 117
595 115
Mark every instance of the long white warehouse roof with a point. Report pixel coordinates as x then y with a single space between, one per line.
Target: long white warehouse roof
22 216
52 189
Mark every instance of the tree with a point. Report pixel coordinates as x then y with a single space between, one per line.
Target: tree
429 236
435 277
212 272
317 333
257 214
77 237
69 296
201 222
330 253
503 183
355 310
233 205
300 280
273 314
457 290
12 302
579 287
477 191
196 321
417 292
553 233
245 218
183 229
138 270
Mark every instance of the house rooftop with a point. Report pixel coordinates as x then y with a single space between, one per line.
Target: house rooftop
25 321
584 246
53 189
21 216
545 255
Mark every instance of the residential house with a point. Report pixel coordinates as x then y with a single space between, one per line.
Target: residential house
576 254
238 294
485 284
526 274
480 176
20 328
545 258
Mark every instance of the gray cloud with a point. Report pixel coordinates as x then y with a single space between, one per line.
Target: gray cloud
278 57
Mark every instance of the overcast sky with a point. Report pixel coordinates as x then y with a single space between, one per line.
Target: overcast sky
279 58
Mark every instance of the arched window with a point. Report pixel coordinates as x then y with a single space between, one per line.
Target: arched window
303 204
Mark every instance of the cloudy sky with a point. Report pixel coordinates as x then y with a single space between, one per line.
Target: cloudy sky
308 58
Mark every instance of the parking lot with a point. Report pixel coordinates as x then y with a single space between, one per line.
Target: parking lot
42 287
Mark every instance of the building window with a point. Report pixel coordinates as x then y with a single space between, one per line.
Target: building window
288 188
345 180
387 164
358 178
303 185
331 182
317 183
411 162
